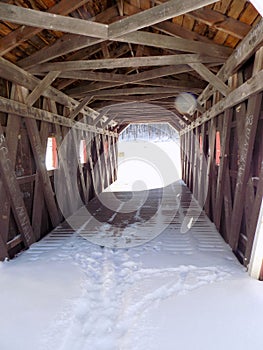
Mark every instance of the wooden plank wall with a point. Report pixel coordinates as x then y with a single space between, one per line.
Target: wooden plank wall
29 207
230 191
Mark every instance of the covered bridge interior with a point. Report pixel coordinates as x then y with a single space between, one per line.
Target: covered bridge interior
94 67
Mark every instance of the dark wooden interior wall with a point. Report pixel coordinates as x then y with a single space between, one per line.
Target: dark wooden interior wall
230 191
23 149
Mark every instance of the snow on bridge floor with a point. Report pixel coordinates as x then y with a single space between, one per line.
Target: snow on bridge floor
177 291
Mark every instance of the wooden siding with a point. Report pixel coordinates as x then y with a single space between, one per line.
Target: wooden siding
29 207
230 192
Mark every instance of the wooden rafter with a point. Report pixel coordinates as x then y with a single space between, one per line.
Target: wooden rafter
38 19
17 75
129 79
246 48
142 91
205 73
41 87
126 62
154 15
33 18
221 22
251 87
10 106
175 43
12 187
80 106
178 85
21 34
70 43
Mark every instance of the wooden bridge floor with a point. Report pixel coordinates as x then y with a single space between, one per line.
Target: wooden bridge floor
151 293
130 219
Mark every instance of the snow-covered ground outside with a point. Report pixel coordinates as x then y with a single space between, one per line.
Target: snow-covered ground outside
178 291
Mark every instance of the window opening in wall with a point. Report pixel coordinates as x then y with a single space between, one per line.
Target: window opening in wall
201 144
83 152
51 154
218 148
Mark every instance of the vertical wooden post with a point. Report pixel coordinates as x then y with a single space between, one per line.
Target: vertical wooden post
182 149
37 150
256 262
38 201
190 180
3 249
12 136
106 158
252 116
93 177
187 155
210 163
223 164
100 172
111 156
255 210
39 157
115 156
76 141
227 203
202 168
196 161
13 190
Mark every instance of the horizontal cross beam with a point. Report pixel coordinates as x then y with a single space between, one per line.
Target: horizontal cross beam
11 106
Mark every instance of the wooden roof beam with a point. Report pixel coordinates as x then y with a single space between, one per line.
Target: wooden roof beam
11 106
11 72
41 87
107 122
62 46
141 91
172 83
120 78
39 19
173 43
69 43
154 15
206 74
244 50
134 98
19 35
251 87
221 22
9 179
125 62
79 107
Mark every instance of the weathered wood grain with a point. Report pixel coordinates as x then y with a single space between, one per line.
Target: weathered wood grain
252 116
175 43
12 139
225 137
21 109
41 87
221 22
12 187
38 19
154 15
205 73
125 62
17 36
244 50
251 87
